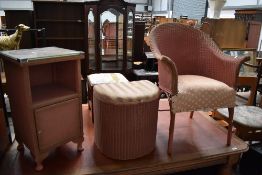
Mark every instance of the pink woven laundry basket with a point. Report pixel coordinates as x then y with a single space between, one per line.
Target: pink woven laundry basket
125 118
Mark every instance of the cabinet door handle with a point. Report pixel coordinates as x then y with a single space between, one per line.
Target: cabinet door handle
39 132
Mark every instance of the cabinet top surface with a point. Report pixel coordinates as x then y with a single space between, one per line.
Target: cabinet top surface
45 53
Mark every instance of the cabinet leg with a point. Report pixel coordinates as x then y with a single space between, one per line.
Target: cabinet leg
80 147
79 143
39 160
39 166
20 147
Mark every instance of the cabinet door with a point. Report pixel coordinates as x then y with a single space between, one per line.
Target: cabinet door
58 123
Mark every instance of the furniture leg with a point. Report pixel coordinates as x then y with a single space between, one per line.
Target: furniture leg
39 160
39 166
20 146
89 92
230 125
171 133
191 114
92 103
80 146
226 169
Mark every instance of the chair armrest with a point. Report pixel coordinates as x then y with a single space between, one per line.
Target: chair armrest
251 65
167 75
224 68
232 67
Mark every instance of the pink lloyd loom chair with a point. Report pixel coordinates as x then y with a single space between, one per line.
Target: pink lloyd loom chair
193 72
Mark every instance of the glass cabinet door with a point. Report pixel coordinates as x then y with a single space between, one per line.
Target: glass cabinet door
91 40
130 27
111 40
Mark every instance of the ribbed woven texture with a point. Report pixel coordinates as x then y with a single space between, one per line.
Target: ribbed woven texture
125 131
127 92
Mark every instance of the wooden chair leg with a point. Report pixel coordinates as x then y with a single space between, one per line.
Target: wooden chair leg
230 125
171 133
191 114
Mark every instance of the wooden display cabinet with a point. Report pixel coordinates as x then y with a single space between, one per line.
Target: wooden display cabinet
102 29
110 33
44 87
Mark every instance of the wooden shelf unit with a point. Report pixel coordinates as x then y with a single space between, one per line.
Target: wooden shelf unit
65 26
44 86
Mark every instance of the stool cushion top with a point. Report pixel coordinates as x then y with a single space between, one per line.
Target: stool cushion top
127 92
249 116
101 78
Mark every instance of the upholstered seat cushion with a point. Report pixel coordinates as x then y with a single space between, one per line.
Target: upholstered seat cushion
201 93
127 92
103 78
247 116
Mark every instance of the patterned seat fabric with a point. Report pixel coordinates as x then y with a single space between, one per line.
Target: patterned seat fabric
247 120
198 93
249 116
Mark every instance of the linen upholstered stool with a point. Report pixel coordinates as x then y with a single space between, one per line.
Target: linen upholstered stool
125 118
101 78
248 122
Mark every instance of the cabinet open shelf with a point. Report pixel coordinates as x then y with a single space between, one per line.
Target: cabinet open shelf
50 94
53 82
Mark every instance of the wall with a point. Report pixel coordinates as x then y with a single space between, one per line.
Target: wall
16 5
193 9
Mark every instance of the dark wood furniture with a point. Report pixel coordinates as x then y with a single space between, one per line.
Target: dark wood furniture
150 70
46 108
249 14
4 138
76 25
64 24
5 129
139 41
110 36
